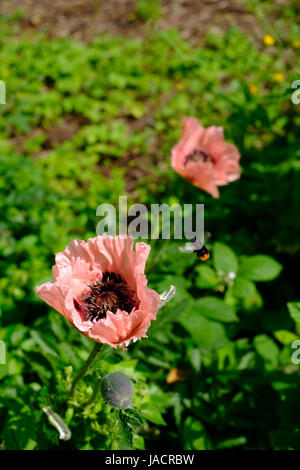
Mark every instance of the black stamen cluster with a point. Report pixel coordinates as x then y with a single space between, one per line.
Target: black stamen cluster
109 293
197 155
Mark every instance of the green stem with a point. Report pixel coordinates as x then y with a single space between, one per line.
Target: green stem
84 370
95 393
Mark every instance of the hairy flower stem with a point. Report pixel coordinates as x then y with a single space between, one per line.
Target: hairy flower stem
83 371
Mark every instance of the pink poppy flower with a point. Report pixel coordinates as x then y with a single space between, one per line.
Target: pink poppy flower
101 288
204 158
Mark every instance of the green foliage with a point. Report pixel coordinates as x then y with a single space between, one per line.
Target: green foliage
225 260
82 124
148 10
260 268
294 309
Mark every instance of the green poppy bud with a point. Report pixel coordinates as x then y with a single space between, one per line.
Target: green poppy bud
117 390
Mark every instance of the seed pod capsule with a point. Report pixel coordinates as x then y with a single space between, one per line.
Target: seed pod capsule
117 390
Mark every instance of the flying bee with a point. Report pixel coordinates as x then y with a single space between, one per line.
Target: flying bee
196 247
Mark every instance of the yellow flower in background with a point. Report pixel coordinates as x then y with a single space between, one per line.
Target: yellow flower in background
278 77
5 73
269 40
179 86
296 43
253 89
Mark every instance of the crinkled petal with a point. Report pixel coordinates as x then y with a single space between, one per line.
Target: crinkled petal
55 296
149 298
191 135
116 254
120 328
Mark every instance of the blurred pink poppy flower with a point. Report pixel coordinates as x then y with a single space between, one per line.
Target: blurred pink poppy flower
101 288
204 158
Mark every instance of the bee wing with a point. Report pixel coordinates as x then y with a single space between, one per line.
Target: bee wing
187 248
207 236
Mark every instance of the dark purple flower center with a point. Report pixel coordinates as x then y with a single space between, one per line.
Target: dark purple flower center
198 155
111 293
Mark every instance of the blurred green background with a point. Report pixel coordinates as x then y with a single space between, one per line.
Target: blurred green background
95 97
